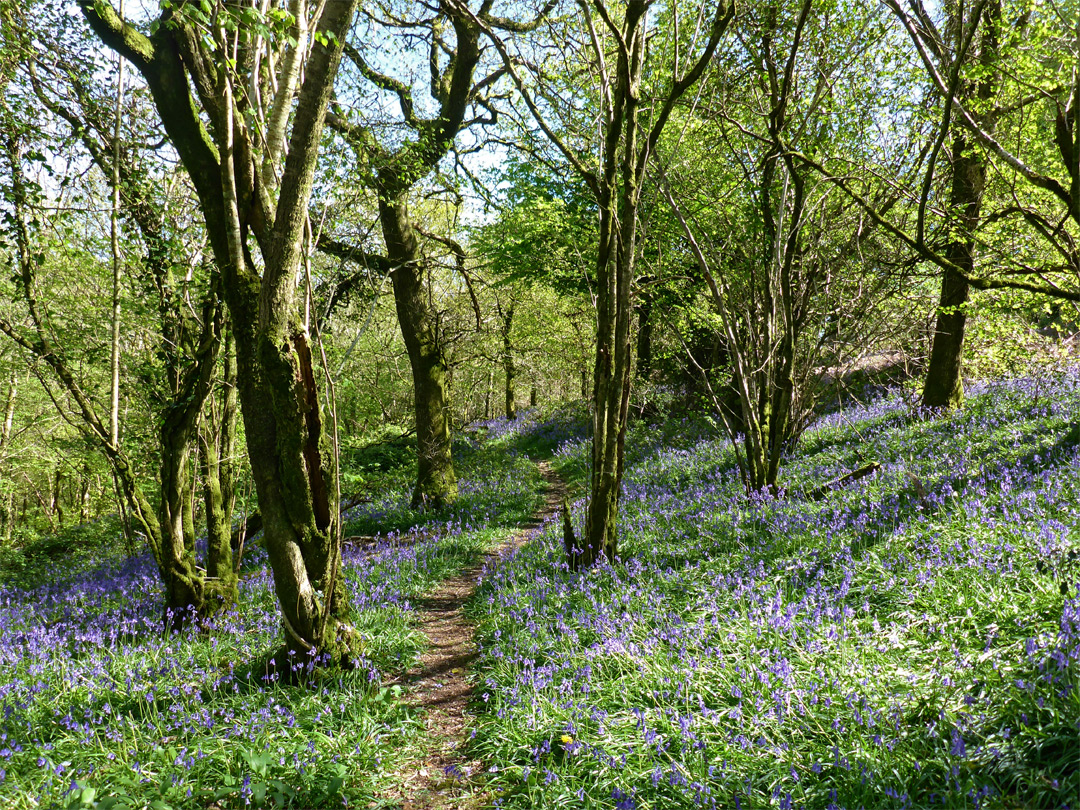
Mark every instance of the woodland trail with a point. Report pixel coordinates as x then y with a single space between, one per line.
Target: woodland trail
441 776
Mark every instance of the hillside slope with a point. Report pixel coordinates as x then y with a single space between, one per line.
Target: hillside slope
911 640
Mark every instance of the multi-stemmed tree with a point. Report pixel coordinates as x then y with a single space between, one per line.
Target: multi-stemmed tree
635 88
791 267
225 84
188 342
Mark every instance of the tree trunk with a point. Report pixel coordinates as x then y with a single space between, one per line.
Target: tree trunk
436 484
488 393
614 276
617 189
189 510
7 498
217 448
9 409
944 386
84 494
117 268
423 145
644 339
56 500
509 370
7 516
292 464
183 583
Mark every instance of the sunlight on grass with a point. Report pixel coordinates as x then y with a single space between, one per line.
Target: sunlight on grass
98 709
910 641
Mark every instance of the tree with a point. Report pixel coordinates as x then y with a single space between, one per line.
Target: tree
636 93
944 386
790 266
247 204
188 343
417 145
1007 95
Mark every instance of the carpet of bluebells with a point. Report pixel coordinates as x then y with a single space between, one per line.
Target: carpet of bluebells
910 640
97 708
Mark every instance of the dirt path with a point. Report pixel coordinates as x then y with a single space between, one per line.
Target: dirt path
439 686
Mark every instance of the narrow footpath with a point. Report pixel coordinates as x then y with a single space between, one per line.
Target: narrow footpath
441 776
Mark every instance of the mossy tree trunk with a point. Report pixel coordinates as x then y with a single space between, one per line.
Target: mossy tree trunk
488 392
56 496
217 448
436 483
944 384
179 430
292 462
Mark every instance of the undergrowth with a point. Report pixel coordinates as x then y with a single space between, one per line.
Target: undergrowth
912 640
98 709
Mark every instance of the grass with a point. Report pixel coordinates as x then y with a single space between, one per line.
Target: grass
910 641
97 709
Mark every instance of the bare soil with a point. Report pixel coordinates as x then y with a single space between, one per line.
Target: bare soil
439 686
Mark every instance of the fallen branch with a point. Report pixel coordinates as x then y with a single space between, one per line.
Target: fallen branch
254 522
836 483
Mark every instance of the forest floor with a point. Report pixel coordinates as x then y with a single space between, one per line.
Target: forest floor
912 639
442 774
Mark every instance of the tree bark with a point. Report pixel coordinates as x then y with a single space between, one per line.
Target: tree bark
7 499
944 385
401 168
189 509
509 369
217 448
84 494
7 516
626 154
436 483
